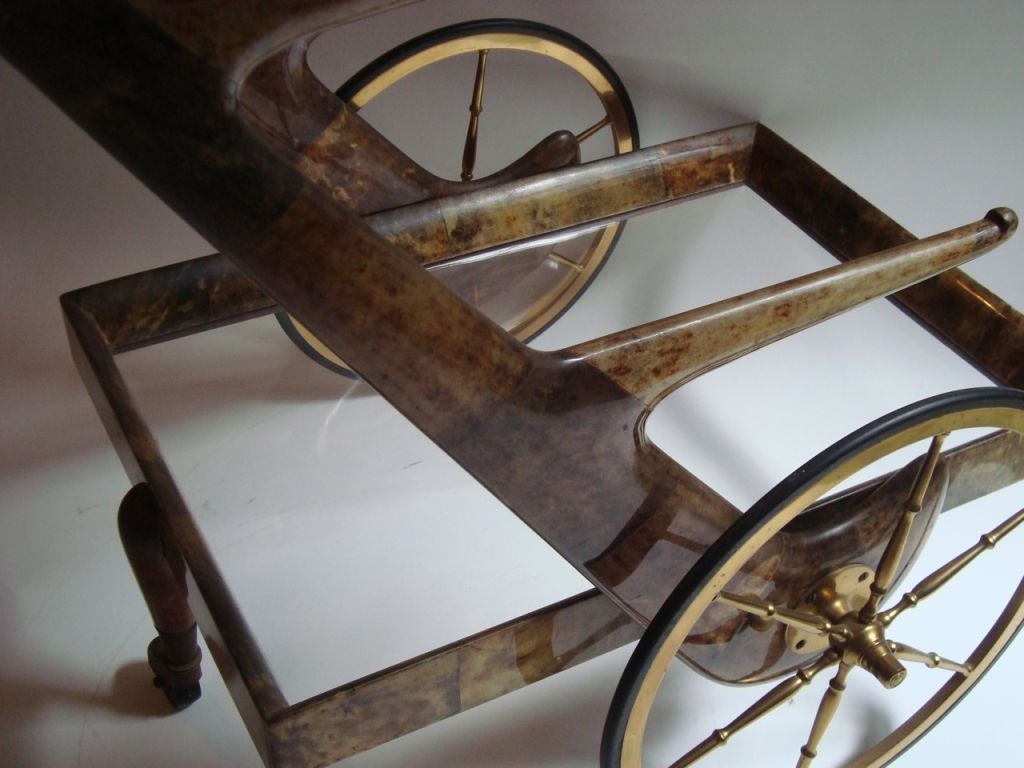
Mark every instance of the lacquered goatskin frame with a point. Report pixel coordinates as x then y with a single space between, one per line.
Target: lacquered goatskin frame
213 106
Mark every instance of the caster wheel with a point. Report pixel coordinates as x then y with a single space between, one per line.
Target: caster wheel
180 698
176 662
923 648
523 289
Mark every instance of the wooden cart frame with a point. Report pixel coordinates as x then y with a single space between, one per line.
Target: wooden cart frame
238 86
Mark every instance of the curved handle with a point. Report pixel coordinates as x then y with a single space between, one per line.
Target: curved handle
653 359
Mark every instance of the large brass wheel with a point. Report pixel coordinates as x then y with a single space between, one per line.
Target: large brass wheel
524 289
855 618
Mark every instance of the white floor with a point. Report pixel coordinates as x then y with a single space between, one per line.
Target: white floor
305 483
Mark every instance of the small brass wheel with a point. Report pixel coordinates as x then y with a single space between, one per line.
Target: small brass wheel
925 460
523 289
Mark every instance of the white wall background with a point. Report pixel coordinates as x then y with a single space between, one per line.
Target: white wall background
917 105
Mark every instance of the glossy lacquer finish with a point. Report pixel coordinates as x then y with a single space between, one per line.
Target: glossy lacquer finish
213 106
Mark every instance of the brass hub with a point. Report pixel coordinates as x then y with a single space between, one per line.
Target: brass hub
842 592
838 598
868 649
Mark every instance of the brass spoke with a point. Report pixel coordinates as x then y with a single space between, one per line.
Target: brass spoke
764 609
587 133
475 108
941 576
893 554
826 711
780 694
931 660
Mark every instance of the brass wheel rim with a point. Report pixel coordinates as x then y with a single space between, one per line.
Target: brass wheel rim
619 120
987 651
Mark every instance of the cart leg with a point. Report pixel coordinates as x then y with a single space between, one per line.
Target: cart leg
174 655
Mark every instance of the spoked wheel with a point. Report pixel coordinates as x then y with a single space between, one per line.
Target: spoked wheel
524 289
845 618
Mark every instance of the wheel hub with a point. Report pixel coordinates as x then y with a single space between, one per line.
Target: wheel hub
841 593
868 649
839 598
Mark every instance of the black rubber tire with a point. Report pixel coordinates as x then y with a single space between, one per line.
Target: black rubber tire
754 520
411 47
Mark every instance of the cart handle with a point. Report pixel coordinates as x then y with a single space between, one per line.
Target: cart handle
653 359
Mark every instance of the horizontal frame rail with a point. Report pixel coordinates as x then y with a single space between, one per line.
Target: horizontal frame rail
965 315
449 680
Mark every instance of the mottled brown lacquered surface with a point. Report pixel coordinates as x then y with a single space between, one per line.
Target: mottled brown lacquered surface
365 713
213 106
966 315
557 201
